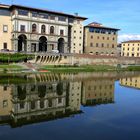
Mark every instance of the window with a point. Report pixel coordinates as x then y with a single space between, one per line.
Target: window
137 54
22 105
34 28
33 48
23 12
61 32
74 37
103 38
51 30
34 14
32 104
52 17
80 32
5 28
22 28
74 31
71 20
5 88
92 37
5 103
113 38
4 45
80 44
59 100
91 44
107 38
97 30
127 54
113 45
97 45
102 45
91 30
98 37
43 29
132 49
61 18
52 46
43 15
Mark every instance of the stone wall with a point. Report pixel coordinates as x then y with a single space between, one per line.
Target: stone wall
83 59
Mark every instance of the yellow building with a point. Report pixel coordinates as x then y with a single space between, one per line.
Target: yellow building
100 40
5 101
5 28
131 82
131 48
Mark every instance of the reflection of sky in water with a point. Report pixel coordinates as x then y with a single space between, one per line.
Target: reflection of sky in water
120 120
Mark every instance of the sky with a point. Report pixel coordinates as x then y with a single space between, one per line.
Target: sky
122 14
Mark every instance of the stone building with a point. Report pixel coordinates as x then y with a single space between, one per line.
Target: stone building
131 48
100 40
37 30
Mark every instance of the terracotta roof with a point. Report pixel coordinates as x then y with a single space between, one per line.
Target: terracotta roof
99 25
132 41
48 11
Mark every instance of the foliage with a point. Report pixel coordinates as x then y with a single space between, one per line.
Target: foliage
16 57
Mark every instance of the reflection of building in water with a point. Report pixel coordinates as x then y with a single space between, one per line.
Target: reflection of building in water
75 95
131 82
44 101
97 91
5 102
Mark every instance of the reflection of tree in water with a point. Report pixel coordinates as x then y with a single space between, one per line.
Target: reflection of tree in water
21 92
41 91
60 88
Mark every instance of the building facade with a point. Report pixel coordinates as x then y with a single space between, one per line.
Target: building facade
5 28
38 30
133 82
100 40
98 91
131 48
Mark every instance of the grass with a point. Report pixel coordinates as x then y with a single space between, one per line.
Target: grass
11 66
87 68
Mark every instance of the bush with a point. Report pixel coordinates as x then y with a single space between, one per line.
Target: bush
17 57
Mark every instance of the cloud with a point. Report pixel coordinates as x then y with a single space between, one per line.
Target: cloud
126 37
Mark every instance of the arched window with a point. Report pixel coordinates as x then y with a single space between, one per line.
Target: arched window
43 29
51 30
34 28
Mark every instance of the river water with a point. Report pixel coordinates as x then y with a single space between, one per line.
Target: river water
79 106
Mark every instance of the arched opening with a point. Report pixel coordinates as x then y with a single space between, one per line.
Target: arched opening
42 44
61 45
21 91
34 28
22 43
59 88
51 30
43 29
